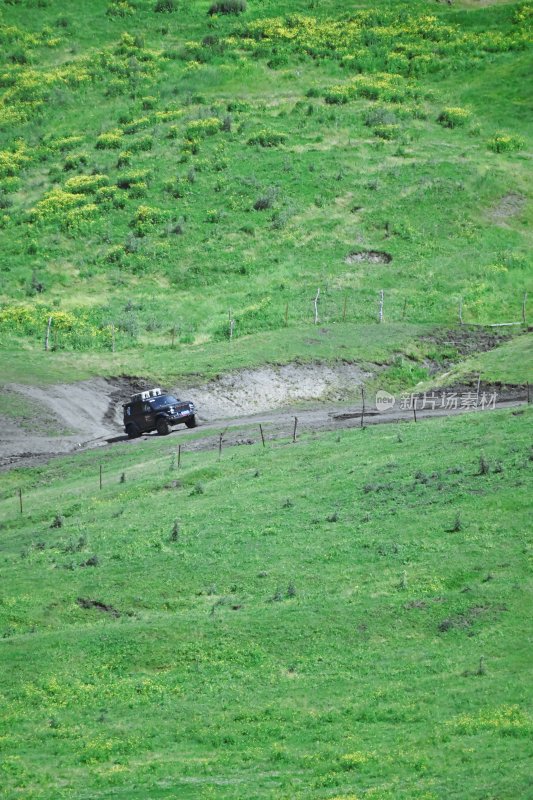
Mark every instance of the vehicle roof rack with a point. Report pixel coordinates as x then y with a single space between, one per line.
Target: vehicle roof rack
147 395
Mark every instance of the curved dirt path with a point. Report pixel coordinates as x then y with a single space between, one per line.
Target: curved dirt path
88 414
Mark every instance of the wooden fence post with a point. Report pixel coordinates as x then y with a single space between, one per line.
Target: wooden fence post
220 438
179 455
381 301
294 431
414 408
363 407
344 308
316 305
460 311
47 337
262 434
20 499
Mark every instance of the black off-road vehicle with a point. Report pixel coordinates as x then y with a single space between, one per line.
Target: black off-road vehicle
154 410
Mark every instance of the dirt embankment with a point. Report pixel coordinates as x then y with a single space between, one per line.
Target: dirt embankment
68 417
64 418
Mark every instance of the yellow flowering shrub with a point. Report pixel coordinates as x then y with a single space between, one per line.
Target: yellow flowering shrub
69 329
388 87
12 161
165 116
110 140
199 128
508 720
137 125
56 202
380 40
505 143
453 117
86 184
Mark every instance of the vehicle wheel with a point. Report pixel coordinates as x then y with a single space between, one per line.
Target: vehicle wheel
163 428
191 422
132 431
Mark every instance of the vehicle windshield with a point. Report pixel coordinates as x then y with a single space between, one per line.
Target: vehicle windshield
164 400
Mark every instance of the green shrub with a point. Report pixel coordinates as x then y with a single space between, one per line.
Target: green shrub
111 140
135 125
86 184
337 95
227 7
165 6
75 161
128 179
267 138
119 8
175 188
213 216
124 159
203 127
138 190
147 215
380 115
143 143
505 143
453 117
386 131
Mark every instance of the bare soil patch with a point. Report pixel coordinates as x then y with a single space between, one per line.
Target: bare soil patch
84 602
369 257
510 205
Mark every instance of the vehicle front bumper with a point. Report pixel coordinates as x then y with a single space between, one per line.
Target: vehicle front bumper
175 419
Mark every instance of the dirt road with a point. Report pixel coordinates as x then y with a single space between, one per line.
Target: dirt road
67 418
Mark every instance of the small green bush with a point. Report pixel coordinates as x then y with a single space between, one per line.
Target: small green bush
266 200
227 7
203 127
75 161
386 131
453 117
337 95
86 184
165 6
143 143
380 115
134 125
267 138
505 143
128 179
111 140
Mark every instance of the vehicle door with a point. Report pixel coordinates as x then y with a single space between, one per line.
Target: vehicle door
137 415
148 416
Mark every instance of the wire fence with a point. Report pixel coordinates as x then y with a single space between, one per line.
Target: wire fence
173 462
326 306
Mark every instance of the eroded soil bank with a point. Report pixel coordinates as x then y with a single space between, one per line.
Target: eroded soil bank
62 418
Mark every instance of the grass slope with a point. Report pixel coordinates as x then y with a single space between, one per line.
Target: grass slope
159 170
346 617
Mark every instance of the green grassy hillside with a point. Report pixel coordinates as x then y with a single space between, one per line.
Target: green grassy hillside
343 618
162 168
